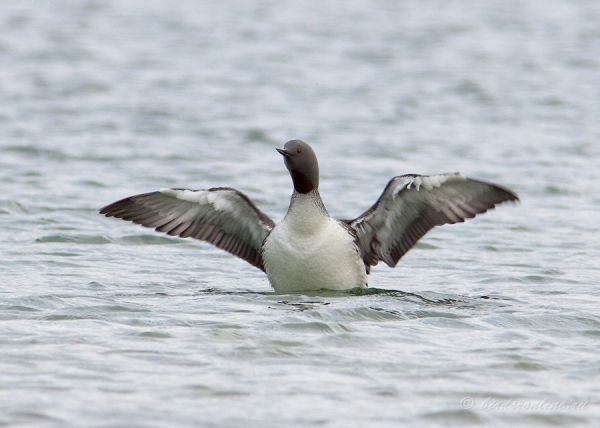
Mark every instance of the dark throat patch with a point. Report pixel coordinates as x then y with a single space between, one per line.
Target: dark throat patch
302 183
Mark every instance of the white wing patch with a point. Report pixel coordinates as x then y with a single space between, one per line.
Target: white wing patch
428 182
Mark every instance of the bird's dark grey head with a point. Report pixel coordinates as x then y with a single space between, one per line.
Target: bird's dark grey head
301 162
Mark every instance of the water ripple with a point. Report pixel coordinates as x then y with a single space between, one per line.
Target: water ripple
491 322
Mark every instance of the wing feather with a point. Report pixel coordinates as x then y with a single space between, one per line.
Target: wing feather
222 216
411 205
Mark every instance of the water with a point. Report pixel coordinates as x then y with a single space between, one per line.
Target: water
103 323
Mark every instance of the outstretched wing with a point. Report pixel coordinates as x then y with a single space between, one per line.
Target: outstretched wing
411 205
222 216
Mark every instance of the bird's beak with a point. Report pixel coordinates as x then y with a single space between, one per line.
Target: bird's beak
283 153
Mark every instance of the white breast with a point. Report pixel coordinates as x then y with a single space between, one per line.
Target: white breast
311 251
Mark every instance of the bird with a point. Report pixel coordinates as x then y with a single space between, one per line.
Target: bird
309 249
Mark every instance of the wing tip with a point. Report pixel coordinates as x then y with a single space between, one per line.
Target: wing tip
111 209
508 195
107 210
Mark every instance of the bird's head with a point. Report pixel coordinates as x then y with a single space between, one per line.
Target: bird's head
301 162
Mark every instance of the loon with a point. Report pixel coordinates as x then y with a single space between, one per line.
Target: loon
308 249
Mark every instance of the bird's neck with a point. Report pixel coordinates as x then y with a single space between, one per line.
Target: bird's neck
304 184
306 212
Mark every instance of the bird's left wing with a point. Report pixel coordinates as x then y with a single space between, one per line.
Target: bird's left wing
222 216
411 205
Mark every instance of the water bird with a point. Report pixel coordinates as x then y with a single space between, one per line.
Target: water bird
308 249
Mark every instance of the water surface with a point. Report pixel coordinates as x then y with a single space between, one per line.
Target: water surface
103 323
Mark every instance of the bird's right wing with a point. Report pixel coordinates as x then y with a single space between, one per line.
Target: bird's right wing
411 205
222 216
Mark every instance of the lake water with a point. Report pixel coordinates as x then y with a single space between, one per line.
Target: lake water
106 324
